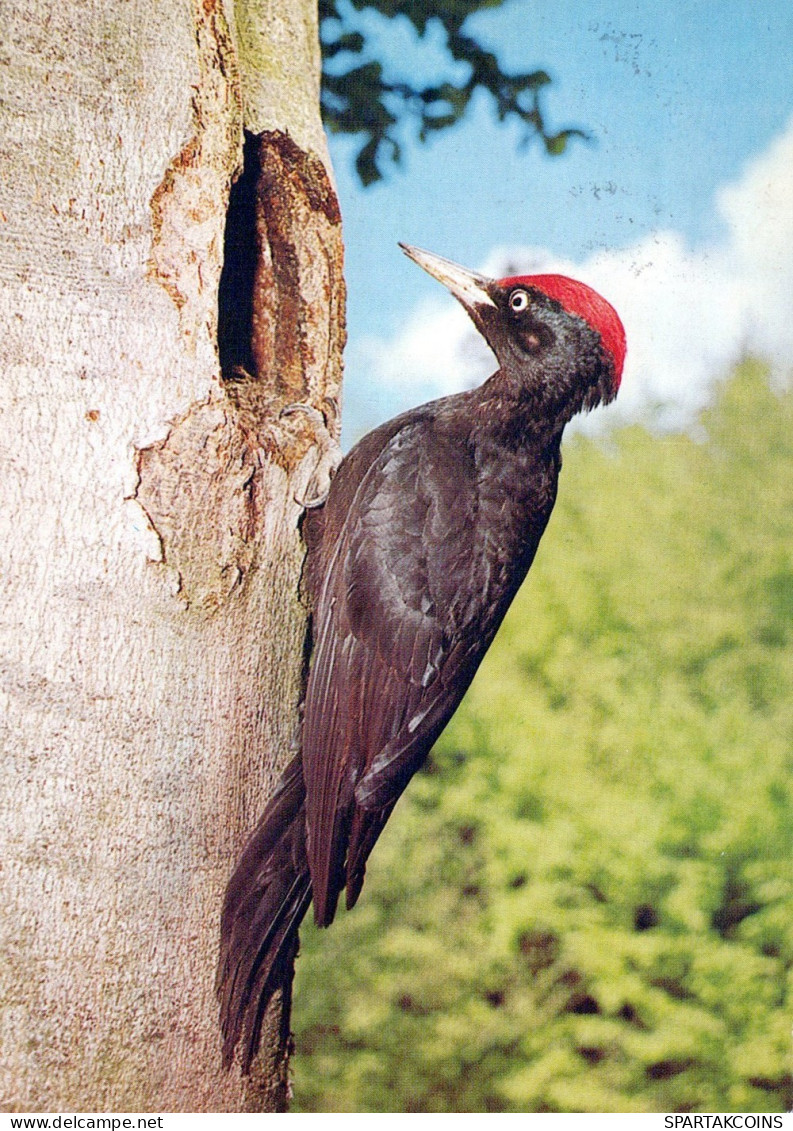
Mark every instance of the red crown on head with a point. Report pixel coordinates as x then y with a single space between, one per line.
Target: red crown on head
582 300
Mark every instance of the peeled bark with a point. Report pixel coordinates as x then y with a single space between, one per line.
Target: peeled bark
152 633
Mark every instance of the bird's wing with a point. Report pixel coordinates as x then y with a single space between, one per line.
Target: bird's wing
396 642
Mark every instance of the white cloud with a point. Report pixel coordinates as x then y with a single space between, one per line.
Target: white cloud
689 315
759 212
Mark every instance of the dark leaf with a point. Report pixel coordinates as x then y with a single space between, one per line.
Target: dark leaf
351 41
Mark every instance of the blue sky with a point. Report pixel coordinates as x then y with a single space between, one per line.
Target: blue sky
681 99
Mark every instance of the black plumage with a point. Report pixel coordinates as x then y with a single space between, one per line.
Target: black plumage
429 528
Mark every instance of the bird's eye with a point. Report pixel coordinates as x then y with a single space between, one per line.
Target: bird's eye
518 301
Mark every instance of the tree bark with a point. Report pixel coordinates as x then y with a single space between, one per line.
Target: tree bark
152 634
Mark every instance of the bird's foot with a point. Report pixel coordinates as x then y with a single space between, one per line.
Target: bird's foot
322 461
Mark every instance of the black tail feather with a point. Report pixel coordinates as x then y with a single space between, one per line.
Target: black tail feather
266 899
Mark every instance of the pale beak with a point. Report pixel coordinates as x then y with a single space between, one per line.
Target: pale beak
468 287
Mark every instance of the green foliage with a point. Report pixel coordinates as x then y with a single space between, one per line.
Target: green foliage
584 902
359 98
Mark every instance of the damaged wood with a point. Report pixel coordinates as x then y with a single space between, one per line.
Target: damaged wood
217 493
282 293
207 486
188 206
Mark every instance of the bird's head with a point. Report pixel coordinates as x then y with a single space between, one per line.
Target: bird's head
555 338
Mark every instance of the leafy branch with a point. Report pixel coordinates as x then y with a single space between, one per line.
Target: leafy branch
357 98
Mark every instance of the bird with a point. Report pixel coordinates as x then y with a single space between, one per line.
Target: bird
430 525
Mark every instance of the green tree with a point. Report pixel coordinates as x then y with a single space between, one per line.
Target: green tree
584 902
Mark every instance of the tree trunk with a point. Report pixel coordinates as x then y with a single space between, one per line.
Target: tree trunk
152 634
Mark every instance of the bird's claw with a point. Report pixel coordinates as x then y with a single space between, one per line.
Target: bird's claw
316 417
311 500
326 453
